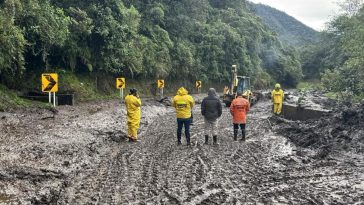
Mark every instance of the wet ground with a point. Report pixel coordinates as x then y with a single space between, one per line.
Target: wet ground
79 155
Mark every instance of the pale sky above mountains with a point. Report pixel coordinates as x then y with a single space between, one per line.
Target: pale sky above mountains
313 13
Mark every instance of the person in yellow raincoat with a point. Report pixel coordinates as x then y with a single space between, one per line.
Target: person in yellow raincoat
133 104
277 98
183 104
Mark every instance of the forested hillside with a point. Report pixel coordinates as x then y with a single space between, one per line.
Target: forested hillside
183 40
289 30
338 59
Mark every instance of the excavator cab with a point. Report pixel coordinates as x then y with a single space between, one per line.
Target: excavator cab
238 84
243 84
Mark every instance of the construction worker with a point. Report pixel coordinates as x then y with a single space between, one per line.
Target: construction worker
277 98
211 109
238 109
183 104
133 104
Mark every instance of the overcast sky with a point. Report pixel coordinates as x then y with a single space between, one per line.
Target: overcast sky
313 13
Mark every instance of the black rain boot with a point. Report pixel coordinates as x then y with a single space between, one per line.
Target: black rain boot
215 139
188 140
179 140
236 135
243 135
206 139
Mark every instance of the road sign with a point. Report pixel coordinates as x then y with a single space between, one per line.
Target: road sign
50 82
198 84
160 83
120 83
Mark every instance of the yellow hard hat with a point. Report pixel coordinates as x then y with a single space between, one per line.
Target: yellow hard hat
278 85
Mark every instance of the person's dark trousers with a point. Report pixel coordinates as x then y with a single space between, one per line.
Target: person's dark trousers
186 123
236 129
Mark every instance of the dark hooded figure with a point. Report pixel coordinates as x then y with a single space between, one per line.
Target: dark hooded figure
211 109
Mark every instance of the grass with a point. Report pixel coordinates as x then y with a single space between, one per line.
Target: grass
82 86
85 89
10 100
310 85
337 96
332 95
89 87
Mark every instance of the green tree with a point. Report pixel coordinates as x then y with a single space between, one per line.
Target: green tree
345 76
46 27
12 43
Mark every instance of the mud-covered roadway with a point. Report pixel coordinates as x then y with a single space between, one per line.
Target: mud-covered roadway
80 155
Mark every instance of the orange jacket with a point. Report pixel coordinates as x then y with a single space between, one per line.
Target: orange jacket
238 109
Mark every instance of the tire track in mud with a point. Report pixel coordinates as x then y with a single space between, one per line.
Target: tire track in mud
265 169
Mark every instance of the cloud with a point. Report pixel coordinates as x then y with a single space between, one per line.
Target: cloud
314 13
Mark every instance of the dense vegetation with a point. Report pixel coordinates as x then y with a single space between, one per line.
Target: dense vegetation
339 57
290 31
183 40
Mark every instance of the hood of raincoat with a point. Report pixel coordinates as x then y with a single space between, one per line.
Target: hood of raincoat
182 91
212 92
183 104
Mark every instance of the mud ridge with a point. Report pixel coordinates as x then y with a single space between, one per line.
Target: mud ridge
81 156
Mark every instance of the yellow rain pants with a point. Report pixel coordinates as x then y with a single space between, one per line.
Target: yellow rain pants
277 98
133 105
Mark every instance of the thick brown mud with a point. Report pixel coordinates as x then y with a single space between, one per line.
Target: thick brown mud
79 155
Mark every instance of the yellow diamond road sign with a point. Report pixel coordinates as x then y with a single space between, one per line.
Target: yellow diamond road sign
120 83
50 82
160 83
198 84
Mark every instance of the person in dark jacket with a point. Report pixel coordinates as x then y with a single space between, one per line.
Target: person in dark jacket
211 109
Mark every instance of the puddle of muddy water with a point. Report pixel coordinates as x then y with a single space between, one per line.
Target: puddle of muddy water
98 166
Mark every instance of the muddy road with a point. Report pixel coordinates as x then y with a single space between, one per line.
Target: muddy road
79 155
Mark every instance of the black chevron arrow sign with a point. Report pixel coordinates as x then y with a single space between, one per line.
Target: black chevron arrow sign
49 83
121 83
160 83
198 84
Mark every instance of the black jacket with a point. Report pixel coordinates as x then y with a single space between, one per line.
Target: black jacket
211 107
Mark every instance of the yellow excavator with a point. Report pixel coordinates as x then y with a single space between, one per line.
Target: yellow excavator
239 84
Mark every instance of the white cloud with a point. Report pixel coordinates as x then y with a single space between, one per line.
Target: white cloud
314 13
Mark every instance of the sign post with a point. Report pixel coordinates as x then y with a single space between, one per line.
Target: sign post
50 85
198 86
120 84
54 99
160 84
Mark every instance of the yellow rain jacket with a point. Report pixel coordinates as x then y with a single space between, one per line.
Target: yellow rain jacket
277 98
133 105
183 103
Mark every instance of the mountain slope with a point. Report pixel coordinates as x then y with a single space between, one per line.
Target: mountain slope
290 31
145 40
